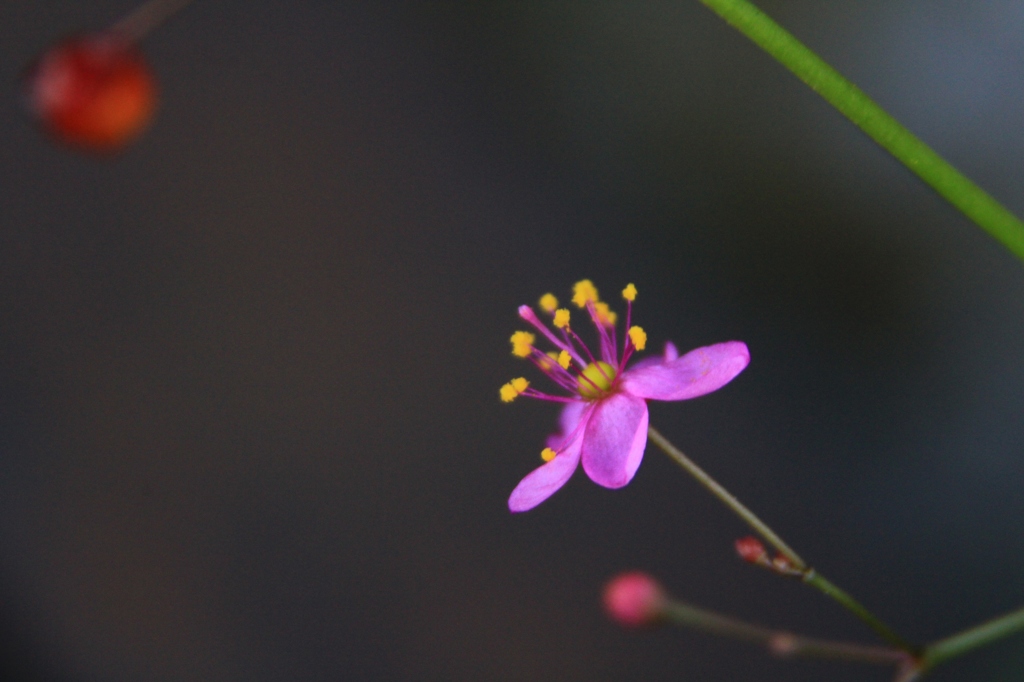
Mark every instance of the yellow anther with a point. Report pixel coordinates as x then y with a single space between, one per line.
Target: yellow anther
548 303
582 292
564 359
547 454
596 380
522 344
512 389
508 393
629 293
638 336
561 318
604 314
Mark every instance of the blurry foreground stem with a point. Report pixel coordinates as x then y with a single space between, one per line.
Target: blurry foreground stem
853 103
809 575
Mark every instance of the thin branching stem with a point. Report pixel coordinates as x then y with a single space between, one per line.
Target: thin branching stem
810 576
716 489
778 642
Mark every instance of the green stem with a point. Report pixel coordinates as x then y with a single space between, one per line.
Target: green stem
980 635
853 103
778 642
810 576
759 526
823 585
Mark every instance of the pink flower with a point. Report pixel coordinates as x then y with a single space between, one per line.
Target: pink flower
604 421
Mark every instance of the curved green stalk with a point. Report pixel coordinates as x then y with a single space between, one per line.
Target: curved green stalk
853 103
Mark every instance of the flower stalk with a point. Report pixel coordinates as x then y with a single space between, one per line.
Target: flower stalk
806 573
778 642
823 585
853 103
727 498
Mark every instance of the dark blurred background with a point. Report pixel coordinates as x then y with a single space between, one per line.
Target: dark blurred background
249 420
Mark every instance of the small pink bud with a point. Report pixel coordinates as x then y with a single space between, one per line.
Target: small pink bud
634 599
751 550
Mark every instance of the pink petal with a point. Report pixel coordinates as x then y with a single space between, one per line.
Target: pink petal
545 480
614 440
700 371
671 353
568 421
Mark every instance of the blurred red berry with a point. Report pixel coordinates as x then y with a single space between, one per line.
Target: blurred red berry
751 550
95 92
634 599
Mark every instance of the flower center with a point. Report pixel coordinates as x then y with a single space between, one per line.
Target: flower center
596 380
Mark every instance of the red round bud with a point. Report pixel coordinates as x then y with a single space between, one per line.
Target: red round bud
634 599
95 92
750 549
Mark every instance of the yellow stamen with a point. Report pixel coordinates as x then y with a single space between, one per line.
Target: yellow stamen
564 359
629 293
547 454
548 303
522 344
512 389
638 336
561 318
582 292
596 380
604 315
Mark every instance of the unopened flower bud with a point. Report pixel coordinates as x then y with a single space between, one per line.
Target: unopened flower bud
751 550
634 599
